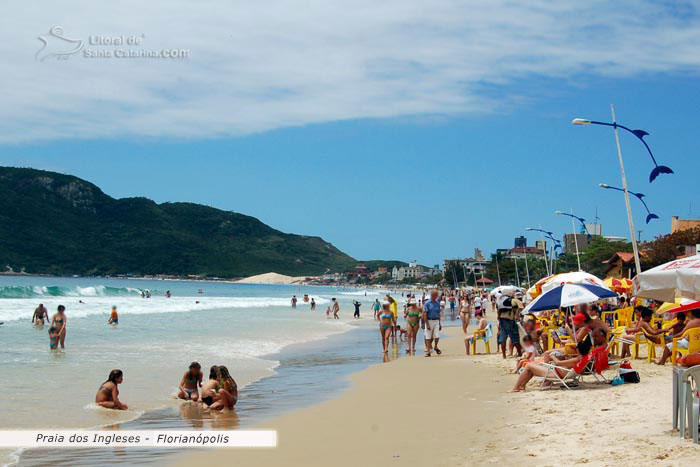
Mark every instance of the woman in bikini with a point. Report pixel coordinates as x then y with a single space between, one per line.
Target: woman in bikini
210 390
59 321
387 321
413 321
108 393
228 391
465 314
191 382
535 369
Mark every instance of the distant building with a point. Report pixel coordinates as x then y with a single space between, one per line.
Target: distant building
408 272
520 242
522 252
469 265
541 245
360 271
620 265
678 225
382 271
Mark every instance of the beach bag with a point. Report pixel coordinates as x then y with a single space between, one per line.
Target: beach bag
629 376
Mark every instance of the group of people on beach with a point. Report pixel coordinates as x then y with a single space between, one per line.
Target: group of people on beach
218 393
58 327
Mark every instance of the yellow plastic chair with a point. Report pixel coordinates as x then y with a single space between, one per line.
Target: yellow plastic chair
485 335
651 345
693 336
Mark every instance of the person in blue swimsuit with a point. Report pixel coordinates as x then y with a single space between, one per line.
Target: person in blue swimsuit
387 321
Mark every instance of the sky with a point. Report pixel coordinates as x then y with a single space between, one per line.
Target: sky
394 130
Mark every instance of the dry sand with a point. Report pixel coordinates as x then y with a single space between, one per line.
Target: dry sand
272 278
453 410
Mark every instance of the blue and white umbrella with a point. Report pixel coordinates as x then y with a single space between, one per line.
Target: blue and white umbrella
568 295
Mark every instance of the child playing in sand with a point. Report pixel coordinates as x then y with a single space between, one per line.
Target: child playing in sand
190 382
53 338
328 313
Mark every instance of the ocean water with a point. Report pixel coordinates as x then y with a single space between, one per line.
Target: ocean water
242 326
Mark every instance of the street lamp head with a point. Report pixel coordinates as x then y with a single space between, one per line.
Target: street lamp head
558 212
580 121
604 185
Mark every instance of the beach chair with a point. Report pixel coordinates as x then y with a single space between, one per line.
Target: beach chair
692 386
567 377
693 336
486 334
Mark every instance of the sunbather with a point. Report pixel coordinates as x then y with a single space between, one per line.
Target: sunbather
643 325
536 369
480 330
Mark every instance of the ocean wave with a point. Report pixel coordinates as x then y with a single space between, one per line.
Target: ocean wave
12 309
37 291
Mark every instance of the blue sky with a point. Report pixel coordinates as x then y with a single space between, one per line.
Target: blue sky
405 152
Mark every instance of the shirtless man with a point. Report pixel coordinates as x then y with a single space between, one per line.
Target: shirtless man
654 335
40 314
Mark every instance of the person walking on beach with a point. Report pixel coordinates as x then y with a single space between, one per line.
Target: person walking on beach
394 308
387 321
294 301
108 394
412 321
431 323
357 304
40 313
464 314
336 308
59 321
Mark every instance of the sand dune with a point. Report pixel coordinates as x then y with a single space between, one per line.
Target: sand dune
272 278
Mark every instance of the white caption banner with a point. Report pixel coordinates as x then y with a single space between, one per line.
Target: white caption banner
141 439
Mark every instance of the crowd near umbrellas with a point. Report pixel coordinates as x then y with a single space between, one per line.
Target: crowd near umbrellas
619 285
565 295
678 278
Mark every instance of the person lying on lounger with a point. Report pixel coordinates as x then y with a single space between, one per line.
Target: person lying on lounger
537 369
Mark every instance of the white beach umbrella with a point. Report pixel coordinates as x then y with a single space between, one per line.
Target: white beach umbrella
678 278
576 277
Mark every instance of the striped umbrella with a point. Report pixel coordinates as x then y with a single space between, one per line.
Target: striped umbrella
568 295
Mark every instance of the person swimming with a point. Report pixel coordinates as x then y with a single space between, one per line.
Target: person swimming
191 381
108 394
387 321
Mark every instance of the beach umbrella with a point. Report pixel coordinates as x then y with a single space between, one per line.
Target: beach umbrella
576 277
619 285
678 278
686 307
501 289
536 289
568 295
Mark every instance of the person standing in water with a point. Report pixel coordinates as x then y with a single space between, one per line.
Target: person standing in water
313 304
376 307
60 321
108 393
357 304
294 301
336 308
40 314
113 317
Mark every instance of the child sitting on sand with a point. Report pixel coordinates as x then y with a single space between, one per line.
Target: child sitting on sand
191 381
53 338
529 353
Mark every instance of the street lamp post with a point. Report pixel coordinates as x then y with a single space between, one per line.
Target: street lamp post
639 196
555 244
658 169
573 227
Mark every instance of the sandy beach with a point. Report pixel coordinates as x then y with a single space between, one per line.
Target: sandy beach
454 410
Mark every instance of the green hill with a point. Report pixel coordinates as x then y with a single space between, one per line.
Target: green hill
59 224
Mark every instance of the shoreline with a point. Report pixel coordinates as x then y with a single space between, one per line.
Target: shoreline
455 410
393 411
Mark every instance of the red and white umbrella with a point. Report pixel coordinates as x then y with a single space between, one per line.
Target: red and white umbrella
678 278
